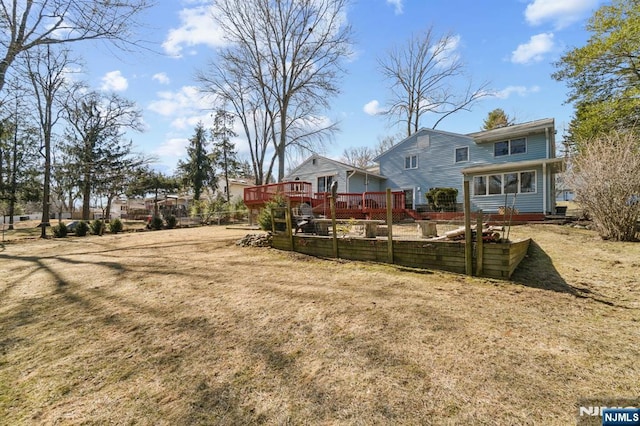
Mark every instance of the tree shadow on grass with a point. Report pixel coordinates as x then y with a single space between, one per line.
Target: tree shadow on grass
537 271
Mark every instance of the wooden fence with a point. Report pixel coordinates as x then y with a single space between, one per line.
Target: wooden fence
494 260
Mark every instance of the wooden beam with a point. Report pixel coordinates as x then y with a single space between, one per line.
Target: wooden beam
468 238
479 244
389 227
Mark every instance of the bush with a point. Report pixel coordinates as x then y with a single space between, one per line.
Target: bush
605 176
60 230
171 221
264 218
97 227
115 226
442 199
156 223
82 228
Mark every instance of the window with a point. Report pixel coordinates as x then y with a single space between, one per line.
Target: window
501 148
462 154
518 146
324 183
510 183
411 162
510 147
480 185
528 182
495 184
505 183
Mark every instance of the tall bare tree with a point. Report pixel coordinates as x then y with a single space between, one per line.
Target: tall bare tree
46 68
27 24
425 76
290 52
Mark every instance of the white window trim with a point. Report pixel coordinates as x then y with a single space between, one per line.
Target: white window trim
410 157
519 172
455 156
328 187
508 141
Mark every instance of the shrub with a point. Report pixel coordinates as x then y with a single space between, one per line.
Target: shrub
156 223
60 230
97 227
115 226
82 228
264 218
605 176
442 199
171 221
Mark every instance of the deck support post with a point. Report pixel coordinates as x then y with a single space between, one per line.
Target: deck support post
332 204
468 237
389 227
479 244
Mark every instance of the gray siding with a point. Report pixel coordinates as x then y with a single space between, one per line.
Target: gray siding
317 166
524 202
437 167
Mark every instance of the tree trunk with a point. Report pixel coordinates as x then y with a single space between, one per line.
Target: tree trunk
44 222
86 196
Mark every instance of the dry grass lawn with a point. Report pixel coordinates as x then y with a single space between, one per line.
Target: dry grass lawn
183 327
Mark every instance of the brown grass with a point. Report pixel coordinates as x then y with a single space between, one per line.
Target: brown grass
183 327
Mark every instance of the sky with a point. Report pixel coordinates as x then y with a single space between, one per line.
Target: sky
511 44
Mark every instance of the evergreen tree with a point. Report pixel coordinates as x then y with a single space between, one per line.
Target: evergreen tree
496 119
197 171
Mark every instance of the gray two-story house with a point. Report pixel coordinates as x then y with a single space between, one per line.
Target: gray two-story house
512 166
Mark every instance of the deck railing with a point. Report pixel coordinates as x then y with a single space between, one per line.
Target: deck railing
357 205
263 193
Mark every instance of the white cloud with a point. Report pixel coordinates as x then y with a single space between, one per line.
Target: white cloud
186 101
373 108
174 147
534 50
518 90
561 13
397 4
197 27
161 78
114 81
446 52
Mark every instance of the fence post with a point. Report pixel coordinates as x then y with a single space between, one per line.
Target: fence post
332 205
479 244
389 227
468 237
287 218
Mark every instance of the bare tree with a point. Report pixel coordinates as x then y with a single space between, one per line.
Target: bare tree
423 77
46 68
97 124
290 53
251 104
360 156
27 24
386 142
605 176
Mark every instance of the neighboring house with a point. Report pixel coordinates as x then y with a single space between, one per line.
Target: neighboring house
322 172
513 165
236 187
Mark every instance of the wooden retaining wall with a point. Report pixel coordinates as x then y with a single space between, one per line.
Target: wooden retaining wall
499 260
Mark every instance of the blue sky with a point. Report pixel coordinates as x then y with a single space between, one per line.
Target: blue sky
512 44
